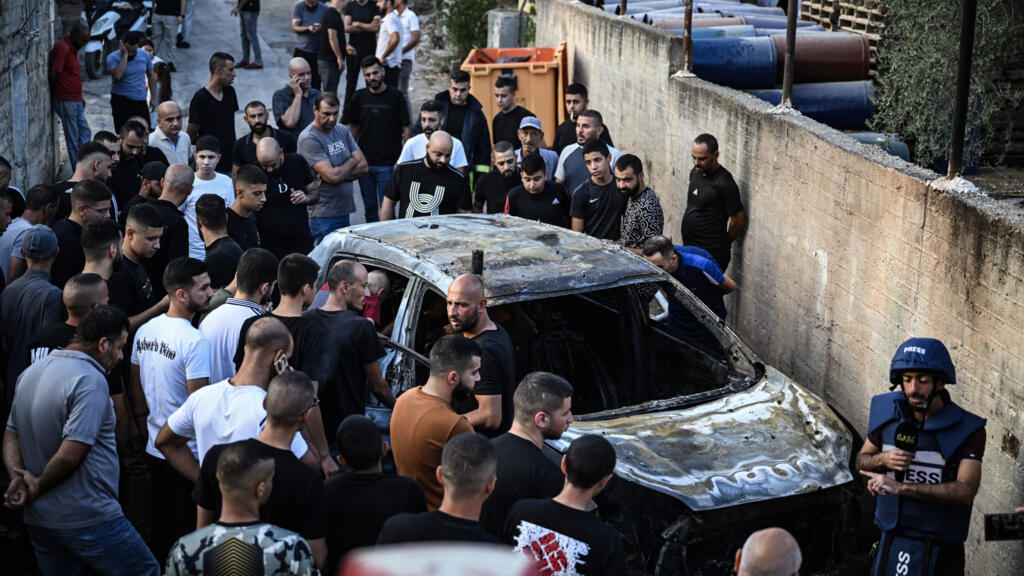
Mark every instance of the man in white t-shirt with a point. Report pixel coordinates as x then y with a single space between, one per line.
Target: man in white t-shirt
410 38
431 119
231 409
389 42
170 360
208 181
254 283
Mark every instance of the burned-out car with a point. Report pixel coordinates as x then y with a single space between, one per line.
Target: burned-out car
711 444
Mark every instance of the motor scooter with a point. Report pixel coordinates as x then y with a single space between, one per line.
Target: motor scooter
110 20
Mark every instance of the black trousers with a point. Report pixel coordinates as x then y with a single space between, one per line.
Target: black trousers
352 72
313 68
173 513
124 108
392 76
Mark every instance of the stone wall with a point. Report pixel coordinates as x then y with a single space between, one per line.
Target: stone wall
849 251
27 125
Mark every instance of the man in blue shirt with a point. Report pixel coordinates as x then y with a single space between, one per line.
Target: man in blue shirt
696 269
129 69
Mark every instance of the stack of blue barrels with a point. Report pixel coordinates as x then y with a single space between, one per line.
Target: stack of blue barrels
743 46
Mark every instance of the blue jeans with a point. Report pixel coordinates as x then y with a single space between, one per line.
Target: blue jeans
250 35
186 26
371 186
112 547
76 129
321 227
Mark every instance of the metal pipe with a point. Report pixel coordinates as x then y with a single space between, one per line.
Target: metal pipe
963 89
478 262
622 7
687 38
789 70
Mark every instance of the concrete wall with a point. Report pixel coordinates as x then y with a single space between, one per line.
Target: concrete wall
849 250
27 127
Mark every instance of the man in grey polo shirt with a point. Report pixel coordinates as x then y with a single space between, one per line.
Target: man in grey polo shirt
30 302
60 452
336 159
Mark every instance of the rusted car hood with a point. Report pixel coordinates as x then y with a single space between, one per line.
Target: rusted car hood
773 440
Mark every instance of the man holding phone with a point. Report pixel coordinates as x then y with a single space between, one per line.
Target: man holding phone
922 458
306 17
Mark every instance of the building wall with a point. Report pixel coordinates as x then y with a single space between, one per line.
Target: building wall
849 251
27 126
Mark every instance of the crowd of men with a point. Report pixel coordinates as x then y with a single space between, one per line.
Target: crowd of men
176 387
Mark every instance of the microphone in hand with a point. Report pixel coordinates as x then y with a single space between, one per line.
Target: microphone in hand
906 439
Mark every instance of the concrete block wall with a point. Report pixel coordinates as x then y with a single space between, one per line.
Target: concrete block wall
849 250
27 125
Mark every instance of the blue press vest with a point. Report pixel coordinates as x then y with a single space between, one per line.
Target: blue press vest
935 461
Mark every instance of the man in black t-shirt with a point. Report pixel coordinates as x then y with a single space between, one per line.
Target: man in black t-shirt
244 151
330 59
90 200
353 344
597 206
362 21
378 117
714 216
283 222
126 178
543 404
505 124
174 244
130 288
297 500
249 13
94 162
538 198
559 532
250 195
222 252
429 186
576 101
365 493
213 107
492 189
490 408
467 473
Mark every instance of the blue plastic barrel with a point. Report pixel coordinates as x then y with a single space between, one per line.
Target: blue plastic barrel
719 32
636 8
841 105
742 10
678 13
759 21
735 62
816 29
891 143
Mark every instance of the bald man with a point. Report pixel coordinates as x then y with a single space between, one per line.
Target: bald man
293 105
178 180
283 223
427 187
489 408
168 137
769 552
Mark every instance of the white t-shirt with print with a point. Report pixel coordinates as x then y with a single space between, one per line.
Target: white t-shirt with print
222 413
221 186
168 352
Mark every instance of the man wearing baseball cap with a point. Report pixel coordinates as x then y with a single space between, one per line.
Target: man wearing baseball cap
531 137
152 183
30 302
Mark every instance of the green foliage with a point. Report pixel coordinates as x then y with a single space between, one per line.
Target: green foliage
919 55
465 23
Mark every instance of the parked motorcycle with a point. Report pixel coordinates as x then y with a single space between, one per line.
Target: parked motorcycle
110 20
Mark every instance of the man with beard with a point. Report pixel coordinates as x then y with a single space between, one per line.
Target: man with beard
464 118
332 152
538 198
597 204
531 137
93 163
572 169
283 221
212 109
244 152
489 408
170 359
254 284
168 137
492 189
714 216
60 452
355 346
293 105
431 119
126 178
643 217
152 184
543 411
378 118
174 242
423 420
427 187
130 71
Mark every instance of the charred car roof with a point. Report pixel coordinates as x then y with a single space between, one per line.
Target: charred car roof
523 260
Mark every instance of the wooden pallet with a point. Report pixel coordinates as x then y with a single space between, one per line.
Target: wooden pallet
823 12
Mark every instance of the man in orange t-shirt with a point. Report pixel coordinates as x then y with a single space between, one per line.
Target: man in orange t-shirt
423 420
